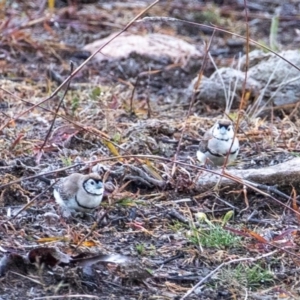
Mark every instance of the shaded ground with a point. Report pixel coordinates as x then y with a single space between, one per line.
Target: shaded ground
150 215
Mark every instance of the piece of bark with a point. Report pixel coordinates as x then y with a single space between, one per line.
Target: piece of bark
285 176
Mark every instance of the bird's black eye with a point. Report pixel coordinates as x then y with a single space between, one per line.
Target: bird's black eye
228 128
92 182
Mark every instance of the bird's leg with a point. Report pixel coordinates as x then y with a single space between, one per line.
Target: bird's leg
217 186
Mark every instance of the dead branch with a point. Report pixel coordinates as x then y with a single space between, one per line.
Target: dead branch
284 175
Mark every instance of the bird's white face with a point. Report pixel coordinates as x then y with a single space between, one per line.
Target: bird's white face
223 131
93 186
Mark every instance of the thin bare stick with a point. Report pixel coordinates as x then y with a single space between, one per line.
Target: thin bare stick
251 185
30 202
80 66
200 73
79 125
98 50
43 174
153 157
94 226
80 296
244 86
167 19
221 266
136 83
57 109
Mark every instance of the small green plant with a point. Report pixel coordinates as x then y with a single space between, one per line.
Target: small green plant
228 216
74 104
96 92
295 154
212 14
129 202
152 249
116 137
67 161
140 248
273 40
177 226
250 276
214 237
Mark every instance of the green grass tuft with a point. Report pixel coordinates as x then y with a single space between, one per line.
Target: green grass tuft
215 237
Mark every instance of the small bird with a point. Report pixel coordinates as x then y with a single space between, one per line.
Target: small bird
216 144
79 193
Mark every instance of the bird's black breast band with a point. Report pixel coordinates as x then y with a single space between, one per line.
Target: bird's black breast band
220 155
82 206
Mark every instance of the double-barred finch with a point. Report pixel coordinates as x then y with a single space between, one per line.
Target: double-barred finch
216 144
80 193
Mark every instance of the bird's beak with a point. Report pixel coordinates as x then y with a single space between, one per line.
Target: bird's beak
99 185
223 130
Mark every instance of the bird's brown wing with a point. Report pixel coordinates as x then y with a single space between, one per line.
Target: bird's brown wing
68 187
204 142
